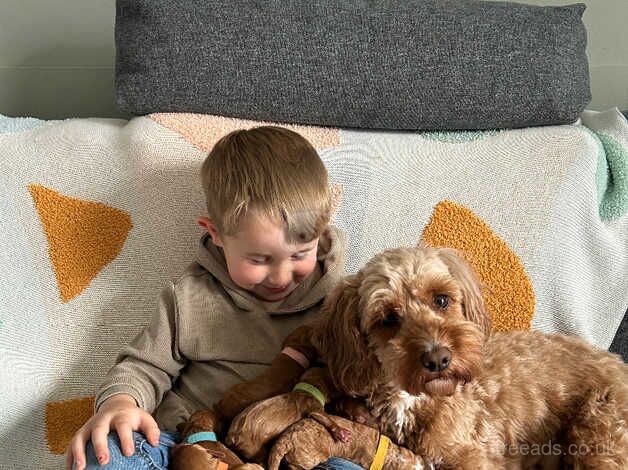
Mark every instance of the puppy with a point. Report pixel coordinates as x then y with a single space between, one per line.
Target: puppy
410 334
264 421
281 409
307 443
205 455
284 372
282 375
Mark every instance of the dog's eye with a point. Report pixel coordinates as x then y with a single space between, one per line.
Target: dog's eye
391 319
441 301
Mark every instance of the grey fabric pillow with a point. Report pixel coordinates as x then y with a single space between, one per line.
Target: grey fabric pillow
389 64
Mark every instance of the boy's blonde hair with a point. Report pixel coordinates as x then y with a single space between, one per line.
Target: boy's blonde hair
270 171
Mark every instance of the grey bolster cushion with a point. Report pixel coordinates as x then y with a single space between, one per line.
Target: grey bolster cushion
386 64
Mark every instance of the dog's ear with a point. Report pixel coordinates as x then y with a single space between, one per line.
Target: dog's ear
474 306
340 343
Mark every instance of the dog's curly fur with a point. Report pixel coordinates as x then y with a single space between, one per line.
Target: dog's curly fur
410 333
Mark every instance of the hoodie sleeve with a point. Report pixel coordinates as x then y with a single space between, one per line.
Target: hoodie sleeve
147 367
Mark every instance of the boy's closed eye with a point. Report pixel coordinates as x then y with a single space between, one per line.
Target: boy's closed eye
302 254
262 259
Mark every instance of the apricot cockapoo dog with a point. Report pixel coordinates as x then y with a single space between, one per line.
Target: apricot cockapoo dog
410 333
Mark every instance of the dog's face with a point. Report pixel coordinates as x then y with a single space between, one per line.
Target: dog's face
412 317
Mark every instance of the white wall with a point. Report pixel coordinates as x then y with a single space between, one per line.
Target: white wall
57 56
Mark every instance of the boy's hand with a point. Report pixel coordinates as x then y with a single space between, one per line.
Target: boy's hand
119 413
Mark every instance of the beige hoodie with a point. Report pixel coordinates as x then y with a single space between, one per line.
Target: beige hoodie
208 334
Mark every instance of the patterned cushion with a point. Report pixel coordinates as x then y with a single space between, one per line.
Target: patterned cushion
97 215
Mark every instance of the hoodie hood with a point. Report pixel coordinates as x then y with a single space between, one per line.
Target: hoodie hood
328 271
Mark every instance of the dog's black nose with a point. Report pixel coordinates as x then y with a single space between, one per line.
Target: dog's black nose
437 359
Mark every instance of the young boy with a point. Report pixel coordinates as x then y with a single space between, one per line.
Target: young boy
263 268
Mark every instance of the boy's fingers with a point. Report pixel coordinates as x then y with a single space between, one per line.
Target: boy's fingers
76 452
69 458
150 429
125 434
99 443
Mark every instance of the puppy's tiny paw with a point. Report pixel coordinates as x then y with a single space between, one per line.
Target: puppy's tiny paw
340 434
344 435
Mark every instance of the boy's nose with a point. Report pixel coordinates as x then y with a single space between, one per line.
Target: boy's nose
280 277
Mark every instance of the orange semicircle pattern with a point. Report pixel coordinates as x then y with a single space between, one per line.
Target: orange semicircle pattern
508 292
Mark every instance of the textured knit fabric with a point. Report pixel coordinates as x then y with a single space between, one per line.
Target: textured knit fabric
98 215
612 173
401 64
209 334
8 124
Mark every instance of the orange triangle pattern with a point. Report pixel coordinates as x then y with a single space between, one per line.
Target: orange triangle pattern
63 419
83 237
204 130
509 294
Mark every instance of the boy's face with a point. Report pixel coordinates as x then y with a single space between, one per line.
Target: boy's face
260 260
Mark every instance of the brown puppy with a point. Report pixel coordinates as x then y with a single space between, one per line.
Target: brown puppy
205 455
284 372
307 443
282 375
409 332
255 427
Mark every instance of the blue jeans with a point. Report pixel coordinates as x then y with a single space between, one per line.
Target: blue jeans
335 463
147 457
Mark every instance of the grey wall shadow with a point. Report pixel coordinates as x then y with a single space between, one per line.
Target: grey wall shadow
33 88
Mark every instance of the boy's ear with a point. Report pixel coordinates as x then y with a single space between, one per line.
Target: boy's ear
208 225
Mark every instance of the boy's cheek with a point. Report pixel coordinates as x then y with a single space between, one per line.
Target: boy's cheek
246 276
304 270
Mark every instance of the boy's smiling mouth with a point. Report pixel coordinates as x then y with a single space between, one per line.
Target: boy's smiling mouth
277 290
273 294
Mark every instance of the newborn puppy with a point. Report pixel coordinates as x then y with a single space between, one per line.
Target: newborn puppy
204 455
307 443
262 422
284 372
282 375
197 457
353 409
